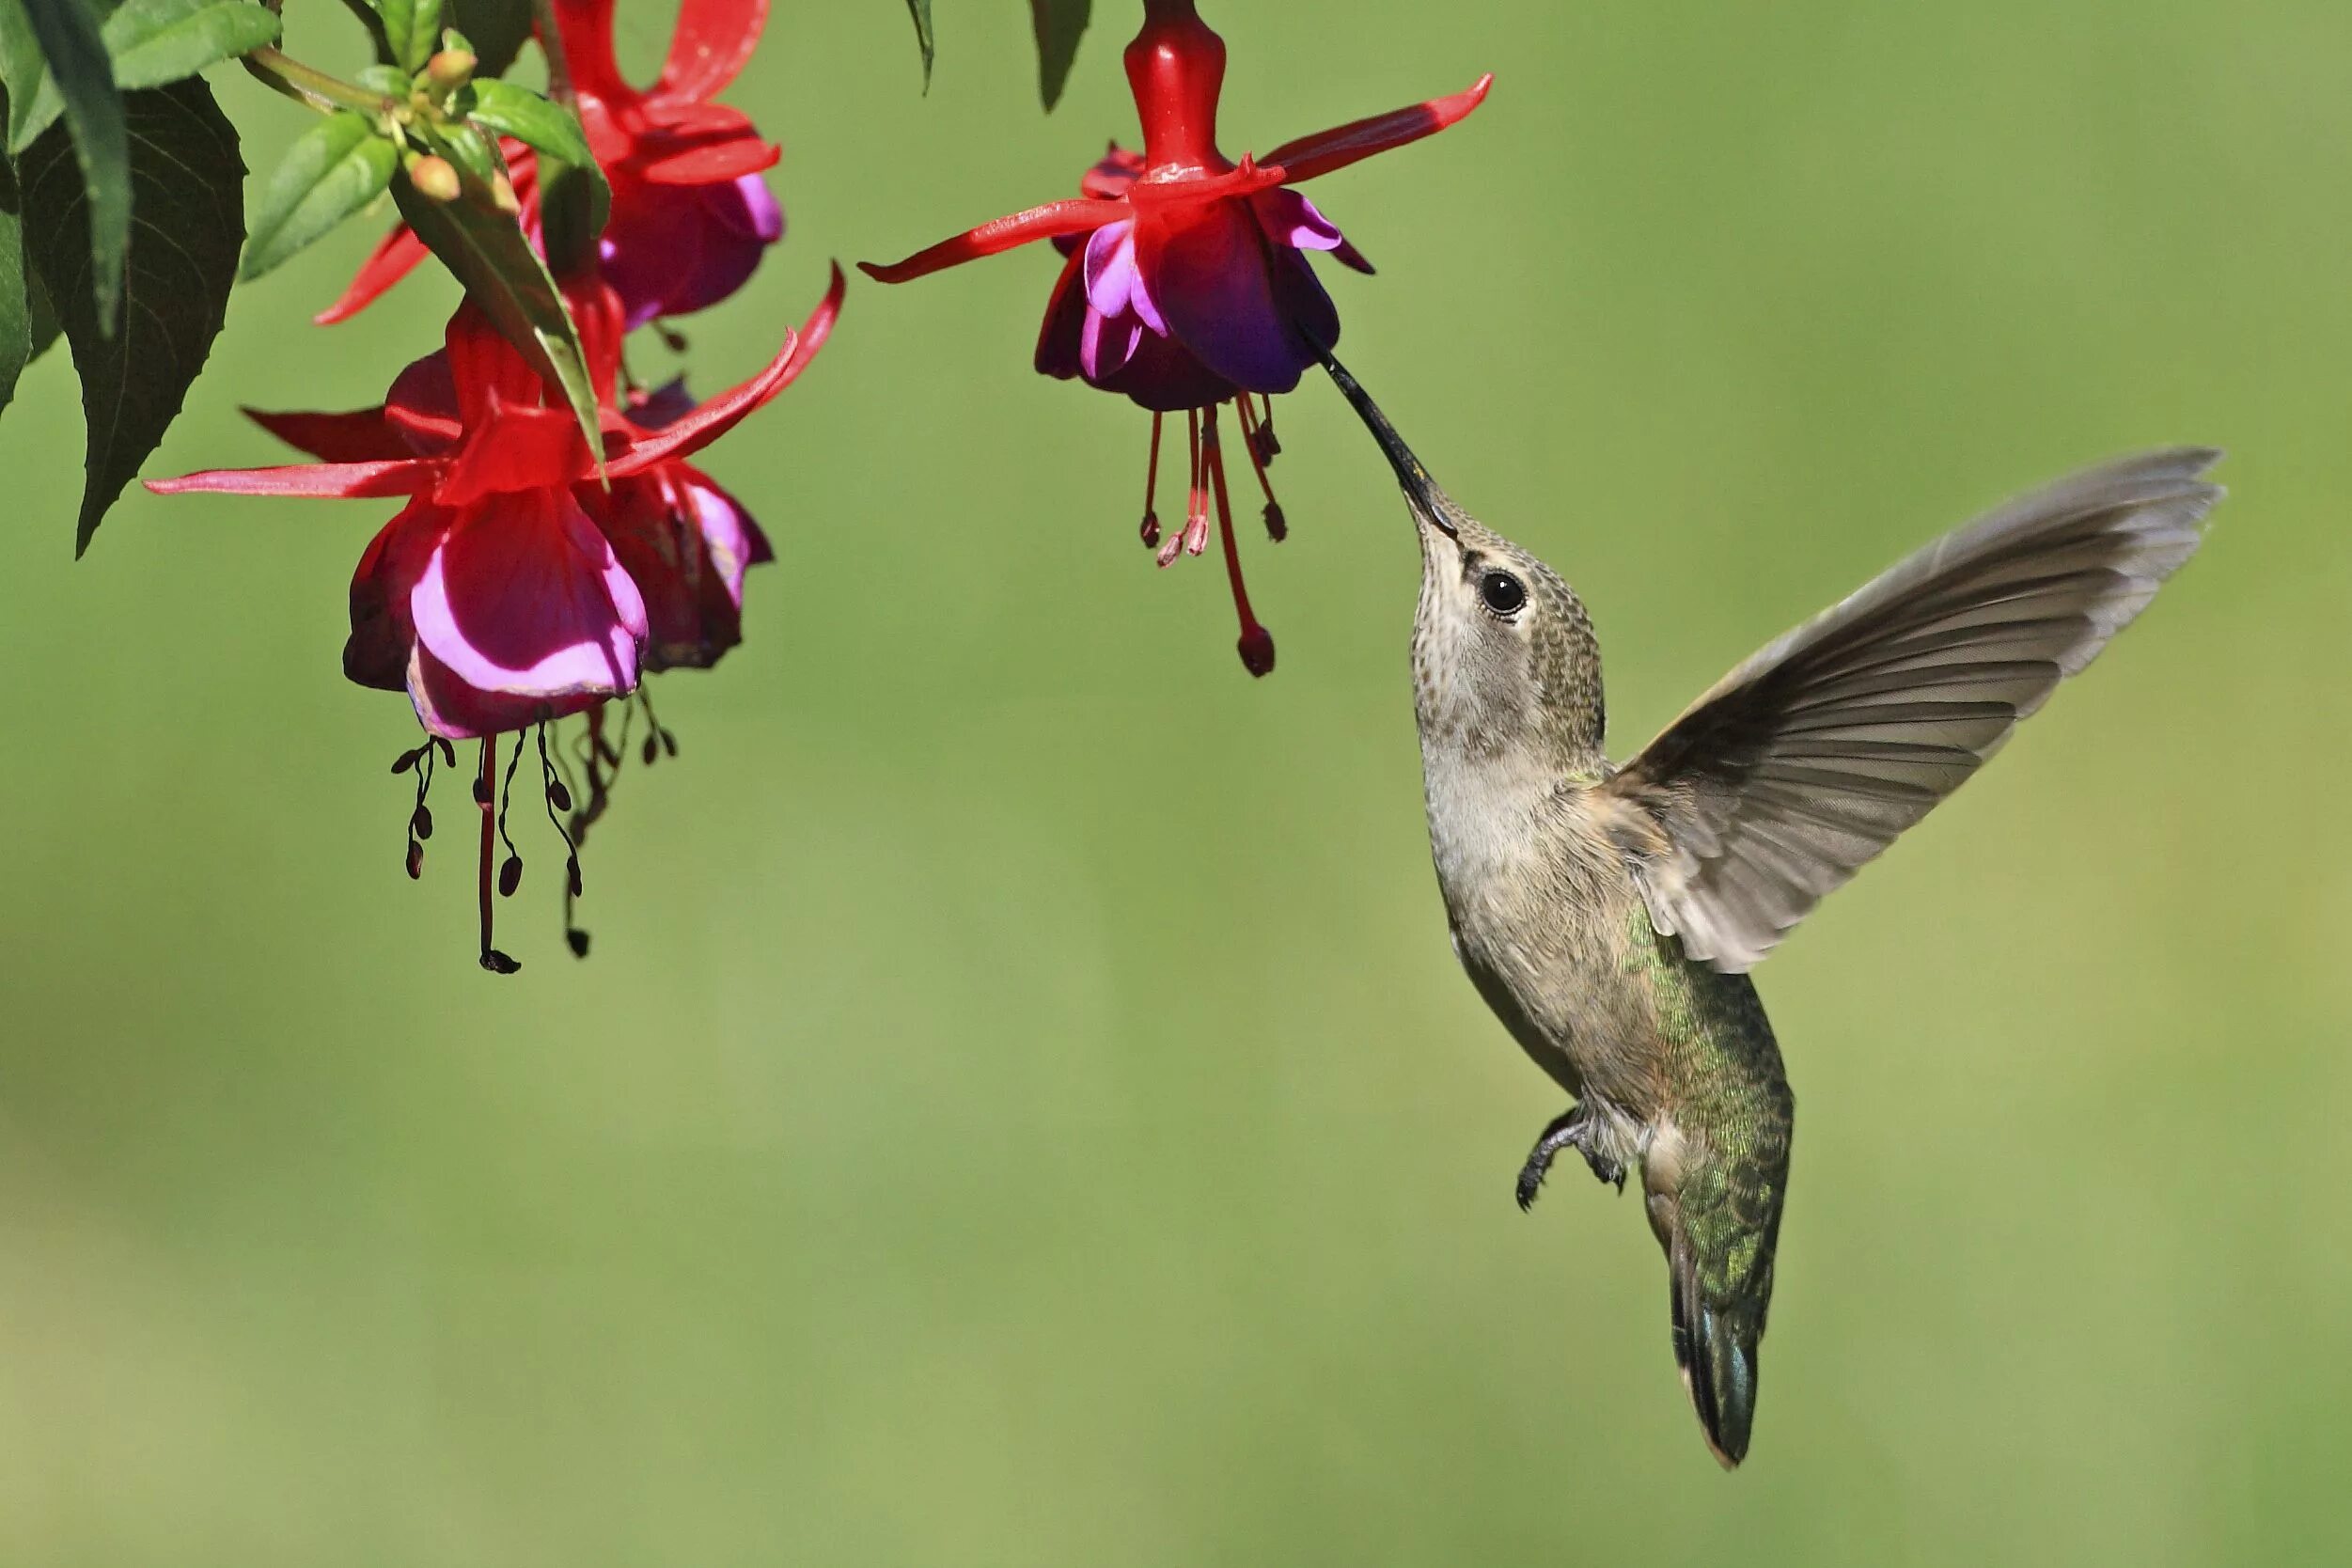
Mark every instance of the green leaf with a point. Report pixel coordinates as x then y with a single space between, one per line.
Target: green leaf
1058 24
496 29
186 178
483 246
412 29
574 197
920 11
155 41
77 61
16 314
333 169
20 65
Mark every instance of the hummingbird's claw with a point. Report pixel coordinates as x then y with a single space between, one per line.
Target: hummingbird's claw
1566 1130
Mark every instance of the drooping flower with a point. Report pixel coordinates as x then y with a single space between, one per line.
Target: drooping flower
690 212
1187 285
519 584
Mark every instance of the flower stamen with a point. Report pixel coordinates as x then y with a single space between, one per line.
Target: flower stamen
1150 530
1277 526
484 786
1256 646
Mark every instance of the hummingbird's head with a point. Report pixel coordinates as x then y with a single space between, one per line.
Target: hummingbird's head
1503 652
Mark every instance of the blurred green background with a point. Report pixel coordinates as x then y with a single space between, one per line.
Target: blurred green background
1022 1109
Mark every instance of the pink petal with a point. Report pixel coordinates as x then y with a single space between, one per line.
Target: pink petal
722 414
523 598
1078 216
714 39
334 480
359 436
396 255
1325 150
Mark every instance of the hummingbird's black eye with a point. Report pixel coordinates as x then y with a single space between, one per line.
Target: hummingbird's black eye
1502 592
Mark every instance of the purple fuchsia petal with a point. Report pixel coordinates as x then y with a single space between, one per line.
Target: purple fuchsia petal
1165 377
1299 295
523 597
1290 219
681 250
1114 284
735 541
1058 337
1210 276
376 653
693 613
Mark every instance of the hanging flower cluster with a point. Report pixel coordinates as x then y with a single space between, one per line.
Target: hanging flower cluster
1185 285
533 575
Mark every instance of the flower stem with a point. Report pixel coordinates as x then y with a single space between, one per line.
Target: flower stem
559 86
308 85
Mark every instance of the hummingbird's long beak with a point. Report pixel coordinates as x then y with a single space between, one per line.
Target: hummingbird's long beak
1420 488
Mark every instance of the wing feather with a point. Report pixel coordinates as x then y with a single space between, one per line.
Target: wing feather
1813 756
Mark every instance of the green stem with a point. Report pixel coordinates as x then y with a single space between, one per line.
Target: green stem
313 86
551 44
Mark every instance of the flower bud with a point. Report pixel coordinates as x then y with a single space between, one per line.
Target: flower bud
435 179
502 193
451 69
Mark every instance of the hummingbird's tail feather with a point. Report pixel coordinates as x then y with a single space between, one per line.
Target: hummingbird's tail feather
1715 1347
1714 1204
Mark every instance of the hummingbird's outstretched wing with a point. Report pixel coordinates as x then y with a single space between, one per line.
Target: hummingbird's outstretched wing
1809 758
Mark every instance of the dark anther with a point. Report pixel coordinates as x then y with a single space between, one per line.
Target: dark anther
1150 531
498 962
1277 526
1257 650
421 822
482 791
651 750
572 868
578 939
416 860
669 742
449 752
557 796
406 759
509 876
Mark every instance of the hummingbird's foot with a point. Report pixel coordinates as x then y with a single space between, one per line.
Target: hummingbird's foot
1568 1130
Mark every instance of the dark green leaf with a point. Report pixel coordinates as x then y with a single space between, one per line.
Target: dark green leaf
186 178
45 328
412 29
16 323
77 61
498 29
155 41
574 197
1058 24
920 11
495 28
333 169
483 246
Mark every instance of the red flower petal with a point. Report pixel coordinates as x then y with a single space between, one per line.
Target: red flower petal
359 436
723 413
335 480
518 449
1077 216
699 161
714 39
395 255
1318 154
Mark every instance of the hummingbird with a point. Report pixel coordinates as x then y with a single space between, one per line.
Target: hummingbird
1609 914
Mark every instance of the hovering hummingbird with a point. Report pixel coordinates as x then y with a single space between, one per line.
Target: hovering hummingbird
1609 914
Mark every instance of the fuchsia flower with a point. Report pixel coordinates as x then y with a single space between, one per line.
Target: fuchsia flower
691 214
518 585
1191 286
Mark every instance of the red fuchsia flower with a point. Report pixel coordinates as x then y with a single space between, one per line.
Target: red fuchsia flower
691 214
1187 285
518 584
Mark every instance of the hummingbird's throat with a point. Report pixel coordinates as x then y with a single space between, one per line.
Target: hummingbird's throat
1204 479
